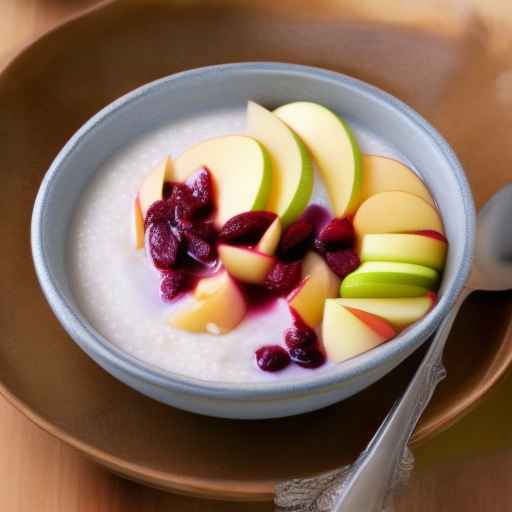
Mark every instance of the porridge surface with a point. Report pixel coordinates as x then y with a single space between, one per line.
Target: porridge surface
117 289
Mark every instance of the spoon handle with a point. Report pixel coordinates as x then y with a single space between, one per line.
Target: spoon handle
368 485
387 462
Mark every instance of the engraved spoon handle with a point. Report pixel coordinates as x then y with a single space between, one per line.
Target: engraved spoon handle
386 462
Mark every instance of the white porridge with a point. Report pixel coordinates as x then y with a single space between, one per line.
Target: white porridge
117 288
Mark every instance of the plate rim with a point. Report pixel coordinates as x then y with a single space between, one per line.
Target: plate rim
201 487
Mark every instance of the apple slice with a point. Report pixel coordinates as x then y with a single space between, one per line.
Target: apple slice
218 308
138 225
241 170
292 174
404 247
152 186
396 212
381 174
270 240
334 148
247 265
398 312
388 280
319 283
347 332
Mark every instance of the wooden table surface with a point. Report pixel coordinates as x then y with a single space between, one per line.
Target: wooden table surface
467 468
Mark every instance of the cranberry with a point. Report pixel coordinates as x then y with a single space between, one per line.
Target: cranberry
283 277
173 282
295 240
182 203
307 357
320 247
167 189
272 358
205 229
199 249
300 336
201 184
339 233
163 246
246 227
159 211
317 216
342 261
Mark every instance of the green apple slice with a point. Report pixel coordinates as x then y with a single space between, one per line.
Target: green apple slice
292 174
389 279
270 239
399 312
247 265
241 170
405 248
334 148
348 332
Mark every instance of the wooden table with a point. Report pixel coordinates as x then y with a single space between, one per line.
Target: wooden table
467 468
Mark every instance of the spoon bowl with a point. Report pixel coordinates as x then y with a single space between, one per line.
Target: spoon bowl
369 484
492 266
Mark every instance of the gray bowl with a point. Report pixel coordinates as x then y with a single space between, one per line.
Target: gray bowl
207 90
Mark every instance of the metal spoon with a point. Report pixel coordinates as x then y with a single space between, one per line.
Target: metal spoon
369 484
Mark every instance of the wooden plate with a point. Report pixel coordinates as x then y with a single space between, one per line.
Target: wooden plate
52 87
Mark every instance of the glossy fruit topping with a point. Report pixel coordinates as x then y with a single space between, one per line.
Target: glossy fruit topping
247 227
163 246
272 358
283 277
295 241
342 262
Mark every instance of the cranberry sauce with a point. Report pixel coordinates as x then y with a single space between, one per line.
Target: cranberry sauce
181 240
180 235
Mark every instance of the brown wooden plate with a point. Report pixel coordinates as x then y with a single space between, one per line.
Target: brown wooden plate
455 80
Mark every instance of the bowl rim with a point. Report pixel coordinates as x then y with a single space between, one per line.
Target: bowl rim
94 343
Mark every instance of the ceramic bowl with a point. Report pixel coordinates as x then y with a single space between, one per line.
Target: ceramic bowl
217 88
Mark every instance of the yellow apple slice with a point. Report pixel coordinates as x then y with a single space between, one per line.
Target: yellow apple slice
270 240
241 170
404 247
399 312
220 309
292 174
348 332
152 187
396 212
318 283
381 174
334 148
138 225
247 265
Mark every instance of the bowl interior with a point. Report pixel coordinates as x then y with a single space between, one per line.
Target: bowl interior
220 88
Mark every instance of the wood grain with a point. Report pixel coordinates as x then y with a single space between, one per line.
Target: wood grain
468 467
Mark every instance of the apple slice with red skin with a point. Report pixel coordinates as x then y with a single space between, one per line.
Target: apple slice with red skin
319 283
396 212
245 264
348 332
399 312
426 248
